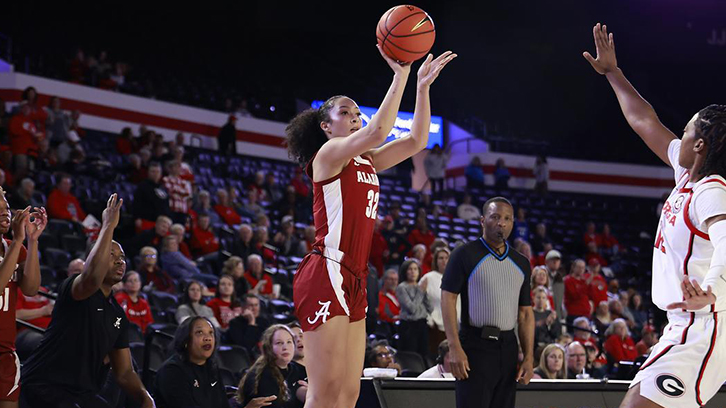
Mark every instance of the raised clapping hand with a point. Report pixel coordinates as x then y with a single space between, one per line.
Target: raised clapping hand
694 297
18 225
397 67
34 228
605 47
430 69
112 212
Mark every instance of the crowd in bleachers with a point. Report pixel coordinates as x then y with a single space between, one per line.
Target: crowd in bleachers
219 235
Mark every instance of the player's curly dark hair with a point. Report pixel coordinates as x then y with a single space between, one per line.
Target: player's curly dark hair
304 135
711 127
267 360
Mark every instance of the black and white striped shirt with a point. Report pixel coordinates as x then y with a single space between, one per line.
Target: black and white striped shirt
492 286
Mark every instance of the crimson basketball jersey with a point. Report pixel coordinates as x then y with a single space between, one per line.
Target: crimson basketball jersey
8 299
345 208
682 246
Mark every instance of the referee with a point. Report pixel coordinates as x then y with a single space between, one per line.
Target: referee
493 281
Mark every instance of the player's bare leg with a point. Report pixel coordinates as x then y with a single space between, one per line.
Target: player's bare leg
633 399
8 404
327 358
356 349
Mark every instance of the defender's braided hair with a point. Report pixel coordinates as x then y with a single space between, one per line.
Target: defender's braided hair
711 127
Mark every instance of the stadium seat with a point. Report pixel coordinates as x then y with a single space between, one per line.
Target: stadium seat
135 335
411 363
73 243
233 358
48 240
137 353
163 300
157 356
26 342
56 258
228 378
48 277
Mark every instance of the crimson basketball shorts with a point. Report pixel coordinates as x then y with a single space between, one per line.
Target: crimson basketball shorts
686 367
323 288
9 376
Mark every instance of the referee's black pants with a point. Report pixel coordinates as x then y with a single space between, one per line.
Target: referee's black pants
492 379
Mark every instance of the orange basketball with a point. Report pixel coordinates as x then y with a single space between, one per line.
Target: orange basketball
406 33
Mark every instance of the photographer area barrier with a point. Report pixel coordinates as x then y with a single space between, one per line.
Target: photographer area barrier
439 393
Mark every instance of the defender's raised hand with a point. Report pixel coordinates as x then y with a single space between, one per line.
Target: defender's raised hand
605 47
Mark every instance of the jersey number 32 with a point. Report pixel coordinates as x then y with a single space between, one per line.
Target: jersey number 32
372 208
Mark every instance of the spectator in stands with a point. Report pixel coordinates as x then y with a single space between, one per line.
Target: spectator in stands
36 309
203 240
298 182
619 345
204 206
475 174
136 307
261 244
617 311
553 263
195 344
546 325
234 266
259 280
442 369
602 317
521 227
258 185
155 277
540 277
432 282
607 242
192 305
541 175
551 364
274 373
227 138
174 262
57 124
598 284
590 234
435 166
379 249
135 169
419 253
75 267
242 244
179 232
577 289
415 308
540 238
273 191
24 195
246 329
178 190
638 310
251 208
501 175
576 361
388 306
225 304
299 346
309 237
64 205
648 339
125 144
286 240
225 209
582 330
185 170
466 211
151 237
381 355
421 234
151 199
70 153
290 204
526 249
594 254
564 339
614 289
25 137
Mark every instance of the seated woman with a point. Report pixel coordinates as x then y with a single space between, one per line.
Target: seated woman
380 355
619 345
225 304
274 372
552 364
192 306
136 307
191 378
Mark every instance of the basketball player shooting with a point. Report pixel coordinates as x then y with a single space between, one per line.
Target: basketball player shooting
689 258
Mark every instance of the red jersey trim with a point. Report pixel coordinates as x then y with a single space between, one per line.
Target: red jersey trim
684 336
689 224
705 360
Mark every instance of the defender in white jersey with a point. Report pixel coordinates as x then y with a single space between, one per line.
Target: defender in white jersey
685 369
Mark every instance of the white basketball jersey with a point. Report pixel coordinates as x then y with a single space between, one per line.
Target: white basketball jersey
682 246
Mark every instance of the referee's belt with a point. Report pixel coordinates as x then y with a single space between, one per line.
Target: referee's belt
491 333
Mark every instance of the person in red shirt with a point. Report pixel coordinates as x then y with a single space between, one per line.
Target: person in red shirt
590 234
19 269
388 306
379 249
25 140
125 142
577 299
583 333
619 345
179 190
261 244
64 205
597 283
301 187
137 308
593 253
35 310
647 341
225 210
155 277
420 253
260 281
607 242
203 240
421 234
185 171
225 304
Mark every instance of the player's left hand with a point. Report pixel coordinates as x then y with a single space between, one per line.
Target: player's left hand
430 69
694 297
34 228
526 371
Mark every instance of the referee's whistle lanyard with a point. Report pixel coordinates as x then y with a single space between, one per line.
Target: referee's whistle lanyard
494 250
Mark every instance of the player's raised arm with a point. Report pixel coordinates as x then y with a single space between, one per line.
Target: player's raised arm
399 150
639 113
97 264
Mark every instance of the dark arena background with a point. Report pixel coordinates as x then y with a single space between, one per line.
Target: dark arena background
120 86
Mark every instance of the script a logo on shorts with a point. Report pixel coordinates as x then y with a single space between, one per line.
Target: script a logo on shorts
322 312
670 385
118 323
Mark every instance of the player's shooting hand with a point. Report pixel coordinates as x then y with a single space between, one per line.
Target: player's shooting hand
605 47
459 363
401 69
694 298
